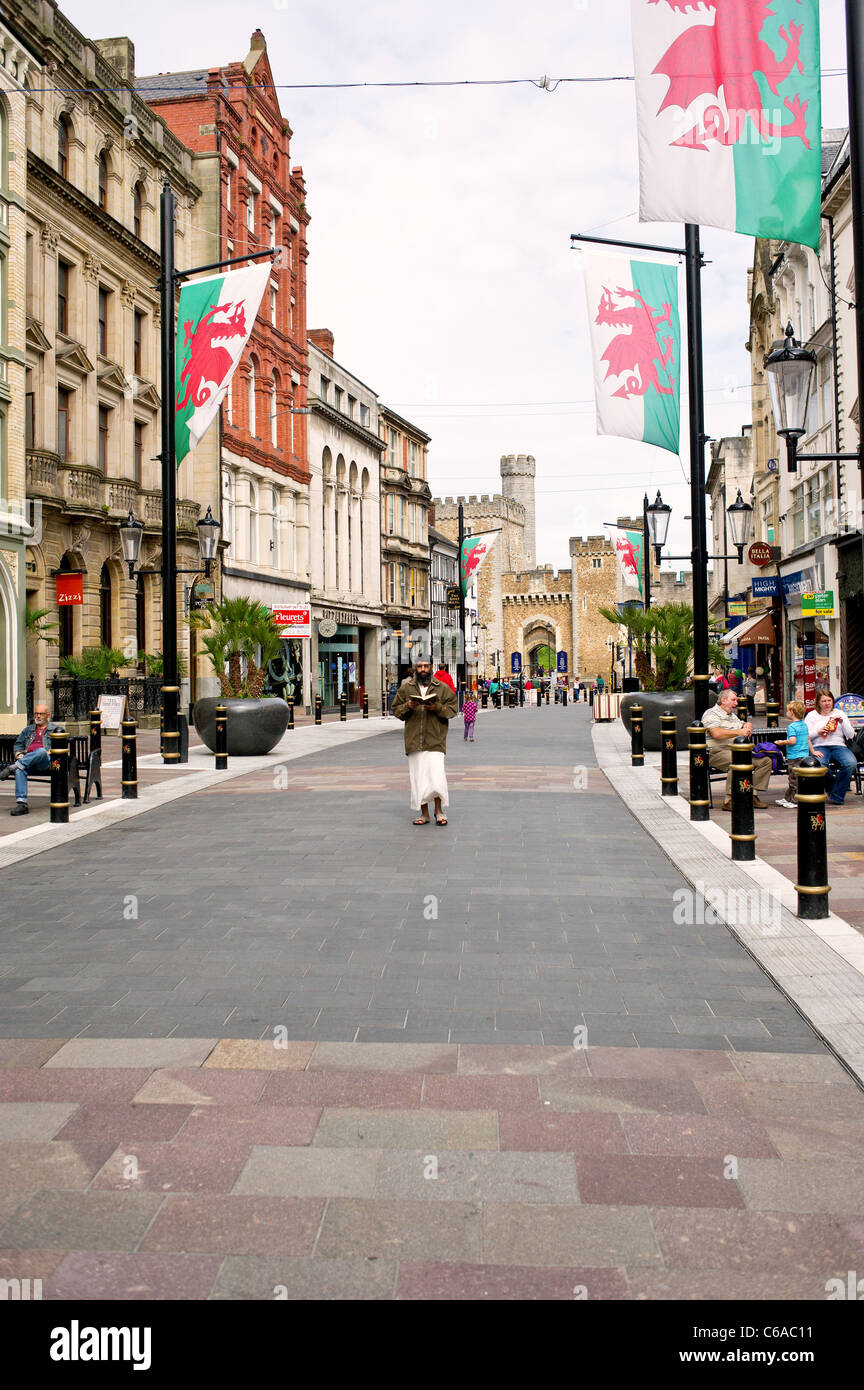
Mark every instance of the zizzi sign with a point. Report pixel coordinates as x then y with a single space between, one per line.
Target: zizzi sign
70 588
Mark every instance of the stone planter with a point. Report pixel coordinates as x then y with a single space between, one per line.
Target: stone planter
254 726
656 702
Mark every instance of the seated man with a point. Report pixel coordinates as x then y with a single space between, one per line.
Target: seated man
31 755
723 725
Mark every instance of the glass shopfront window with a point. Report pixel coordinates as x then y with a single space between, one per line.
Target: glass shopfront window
340 666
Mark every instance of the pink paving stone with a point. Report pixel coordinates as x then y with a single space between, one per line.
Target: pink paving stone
500 1060
375 1089
629 1096
28 1052
133 1277
635 1181
526 1283
657 1063
548 1132
481 1093
186 1165
201 1086
125 1124
258 1124
775 1100
109 1085
236 1225
692 1136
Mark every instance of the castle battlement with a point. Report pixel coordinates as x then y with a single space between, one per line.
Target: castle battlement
487 506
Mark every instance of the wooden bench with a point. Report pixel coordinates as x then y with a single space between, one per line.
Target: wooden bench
81 760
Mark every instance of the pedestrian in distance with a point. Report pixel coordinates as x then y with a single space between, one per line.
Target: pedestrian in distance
599 684
425 705
750 691
798 746
469 714
442 674
829 729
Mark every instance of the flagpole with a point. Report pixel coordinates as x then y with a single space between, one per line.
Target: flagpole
855 80
170 687
461 666
698 531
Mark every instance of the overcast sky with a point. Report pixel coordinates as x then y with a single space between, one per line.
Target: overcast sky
439 243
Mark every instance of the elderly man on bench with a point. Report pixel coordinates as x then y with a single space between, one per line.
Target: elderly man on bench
31 751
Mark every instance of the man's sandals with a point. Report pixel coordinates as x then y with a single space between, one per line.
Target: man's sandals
421 820
440 820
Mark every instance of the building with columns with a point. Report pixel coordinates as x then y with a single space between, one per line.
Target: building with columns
345 535
18 68
96 161
252 199
405 555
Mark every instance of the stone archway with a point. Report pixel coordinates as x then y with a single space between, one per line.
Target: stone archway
539 632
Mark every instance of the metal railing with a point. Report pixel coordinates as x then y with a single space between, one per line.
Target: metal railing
73 699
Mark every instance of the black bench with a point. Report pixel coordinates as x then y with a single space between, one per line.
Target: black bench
81 760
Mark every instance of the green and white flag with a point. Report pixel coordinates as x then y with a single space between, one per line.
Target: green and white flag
628 548
729 115
214 320
474 552
636 345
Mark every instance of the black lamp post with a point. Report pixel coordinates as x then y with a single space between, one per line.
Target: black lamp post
790 369
132 530
739 514
658 514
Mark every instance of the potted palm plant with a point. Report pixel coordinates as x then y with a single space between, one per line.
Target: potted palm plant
663 647
240 637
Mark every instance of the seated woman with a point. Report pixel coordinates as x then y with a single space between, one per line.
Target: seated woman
828 729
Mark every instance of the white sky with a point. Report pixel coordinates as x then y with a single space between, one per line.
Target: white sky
439 243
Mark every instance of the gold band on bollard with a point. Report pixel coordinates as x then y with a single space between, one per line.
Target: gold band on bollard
745 838
799 889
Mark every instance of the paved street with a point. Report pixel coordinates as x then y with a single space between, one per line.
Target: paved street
332 1055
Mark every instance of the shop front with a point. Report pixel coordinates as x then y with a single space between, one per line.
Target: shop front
345 655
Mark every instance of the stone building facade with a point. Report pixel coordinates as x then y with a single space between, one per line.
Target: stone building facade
18 68
96 162
345 534
405 558
253 199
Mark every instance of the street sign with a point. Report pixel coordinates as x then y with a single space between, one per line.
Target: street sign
113 708
293 622
453 595
760 553
516 663
562 661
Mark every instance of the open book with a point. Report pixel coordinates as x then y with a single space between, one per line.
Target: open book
427 698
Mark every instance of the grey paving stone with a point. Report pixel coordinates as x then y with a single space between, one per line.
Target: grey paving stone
265 1278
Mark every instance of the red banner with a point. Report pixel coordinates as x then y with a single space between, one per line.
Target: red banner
809 683
70 588
293 622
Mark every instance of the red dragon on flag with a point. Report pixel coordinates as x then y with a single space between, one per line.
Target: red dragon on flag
208 361
639 348
726 57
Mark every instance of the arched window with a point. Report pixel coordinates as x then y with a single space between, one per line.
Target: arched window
137 208
103 181
274 422
105 606
63 147
253 522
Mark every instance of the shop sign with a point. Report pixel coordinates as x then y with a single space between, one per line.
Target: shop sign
853 707
516 663
70 588
562 661
818 604
737 608
293 622
801 582
454 595
760 553
203 591
765 585
328 628
113 709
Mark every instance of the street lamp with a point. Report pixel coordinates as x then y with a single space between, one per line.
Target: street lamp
790 369
739 514
132 530
658 514
208 539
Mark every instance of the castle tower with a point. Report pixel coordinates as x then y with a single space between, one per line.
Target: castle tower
517 481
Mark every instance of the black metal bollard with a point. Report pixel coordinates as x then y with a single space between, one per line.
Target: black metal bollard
221 737
129 760
743 712
591 697
637 745
812 886
700 803
365 705
343 707
539 698
95 730
564 697
290 715
318 704
547 694
383 704
60 778
484 699
668 754
772 710
742 833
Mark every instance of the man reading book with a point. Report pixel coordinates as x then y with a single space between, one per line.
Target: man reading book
425 705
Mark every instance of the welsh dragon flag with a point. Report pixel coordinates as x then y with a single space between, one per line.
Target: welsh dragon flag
474 552
729 117
214 320
628 548
636 345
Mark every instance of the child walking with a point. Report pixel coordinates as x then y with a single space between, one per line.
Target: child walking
798 747
469 713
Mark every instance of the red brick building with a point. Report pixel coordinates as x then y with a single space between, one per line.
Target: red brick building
251 199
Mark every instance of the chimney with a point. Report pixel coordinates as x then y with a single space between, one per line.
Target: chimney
322 338
431 513
120 53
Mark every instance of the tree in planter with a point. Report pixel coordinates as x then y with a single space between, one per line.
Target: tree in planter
95 663
38 628
235 634
669 629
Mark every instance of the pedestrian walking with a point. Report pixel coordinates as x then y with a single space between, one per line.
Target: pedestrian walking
469 714
425 705
442 674
599 683
750 691
798 746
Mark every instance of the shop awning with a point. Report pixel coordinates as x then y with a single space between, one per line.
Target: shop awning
755 630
